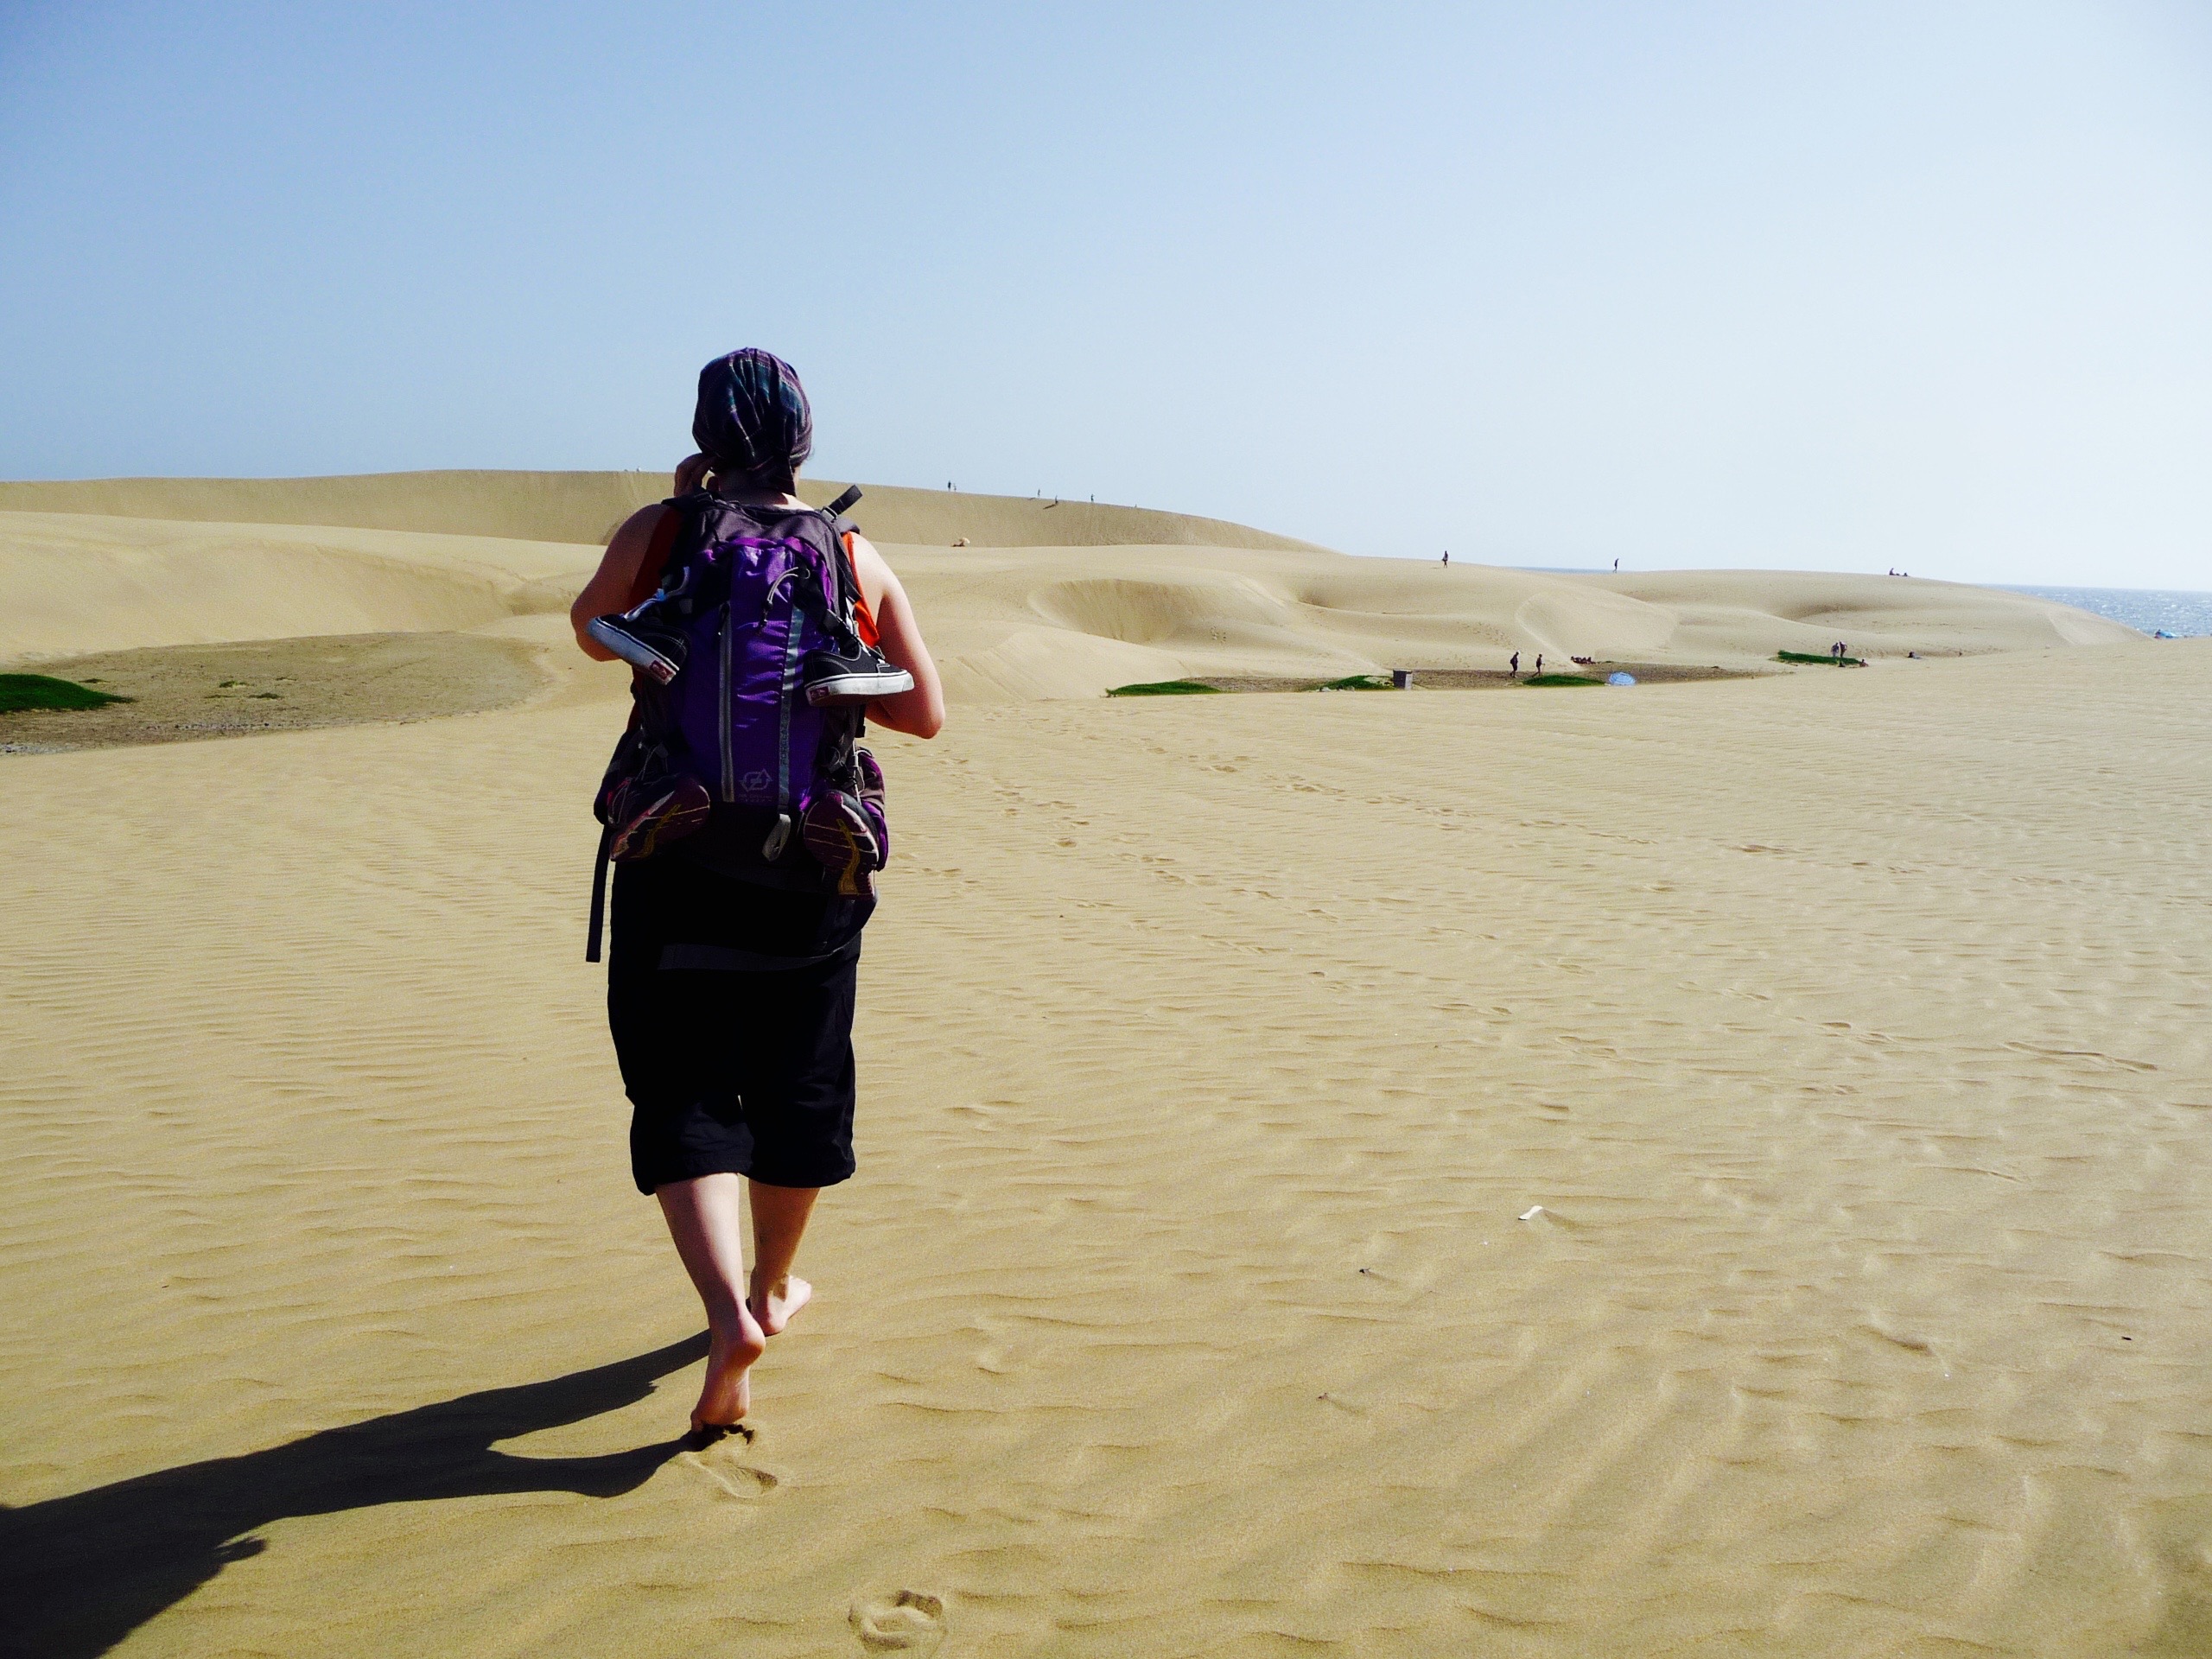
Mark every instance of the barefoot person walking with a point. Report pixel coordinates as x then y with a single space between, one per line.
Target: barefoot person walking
745 823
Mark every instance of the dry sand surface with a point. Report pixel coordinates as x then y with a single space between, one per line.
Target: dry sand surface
1845 1039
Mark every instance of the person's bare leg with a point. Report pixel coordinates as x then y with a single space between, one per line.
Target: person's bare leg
779 1216
704 1220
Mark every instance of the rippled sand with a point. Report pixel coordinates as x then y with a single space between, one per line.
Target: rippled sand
1853 1032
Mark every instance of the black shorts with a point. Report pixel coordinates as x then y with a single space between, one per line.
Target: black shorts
732 1009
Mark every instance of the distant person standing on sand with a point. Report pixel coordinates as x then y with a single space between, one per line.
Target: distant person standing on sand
740 894
1513 666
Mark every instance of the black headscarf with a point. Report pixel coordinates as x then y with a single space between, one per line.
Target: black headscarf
752 420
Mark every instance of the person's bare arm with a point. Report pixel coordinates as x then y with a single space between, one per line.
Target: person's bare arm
919 712
613 587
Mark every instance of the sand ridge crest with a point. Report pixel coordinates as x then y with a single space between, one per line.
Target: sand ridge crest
587 506
1049 600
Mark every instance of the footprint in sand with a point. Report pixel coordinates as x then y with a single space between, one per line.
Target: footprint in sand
740 1480
909 1621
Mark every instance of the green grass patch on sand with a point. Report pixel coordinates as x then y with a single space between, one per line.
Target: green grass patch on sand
1166 689
1807 656
1560 679
1357 683
21 692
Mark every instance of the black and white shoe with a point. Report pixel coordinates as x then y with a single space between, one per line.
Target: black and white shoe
641 641
859 675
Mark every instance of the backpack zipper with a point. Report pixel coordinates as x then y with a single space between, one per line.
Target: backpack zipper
729 754
773 847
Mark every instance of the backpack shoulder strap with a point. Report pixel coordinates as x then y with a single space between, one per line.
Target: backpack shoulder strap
835 512
852 599
597 923
671 523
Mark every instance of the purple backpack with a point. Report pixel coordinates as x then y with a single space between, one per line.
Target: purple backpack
725 751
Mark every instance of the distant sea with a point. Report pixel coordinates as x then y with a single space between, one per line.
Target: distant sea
2183 615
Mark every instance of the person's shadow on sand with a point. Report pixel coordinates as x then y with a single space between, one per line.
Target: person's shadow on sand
80 1573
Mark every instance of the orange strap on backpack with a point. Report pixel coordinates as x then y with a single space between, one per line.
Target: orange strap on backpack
864 619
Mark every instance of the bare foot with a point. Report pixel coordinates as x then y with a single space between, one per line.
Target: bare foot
774 1305
726 1393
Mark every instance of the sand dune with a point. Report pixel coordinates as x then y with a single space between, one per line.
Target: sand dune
1886 615
587 506
1016 617
83 582
1050 622
1712 1169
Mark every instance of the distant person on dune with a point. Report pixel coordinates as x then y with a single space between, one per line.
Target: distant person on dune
745 824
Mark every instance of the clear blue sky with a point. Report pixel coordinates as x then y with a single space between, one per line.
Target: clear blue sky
1841 286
